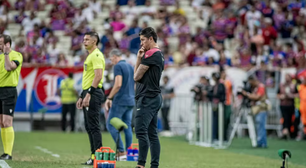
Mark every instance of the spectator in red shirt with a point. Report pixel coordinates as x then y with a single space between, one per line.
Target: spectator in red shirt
268 32
6 4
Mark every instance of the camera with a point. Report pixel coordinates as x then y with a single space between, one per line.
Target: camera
198 90
247 88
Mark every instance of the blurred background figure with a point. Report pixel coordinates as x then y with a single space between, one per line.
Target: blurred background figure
286 93
168 94
216 95
302 94
69 97
229 97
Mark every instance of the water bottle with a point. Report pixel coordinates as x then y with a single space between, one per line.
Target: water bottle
112 155
135 151
105 154
111 165
99 165
98 154
105 165
130 151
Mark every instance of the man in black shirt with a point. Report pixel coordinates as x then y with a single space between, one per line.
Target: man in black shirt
147 74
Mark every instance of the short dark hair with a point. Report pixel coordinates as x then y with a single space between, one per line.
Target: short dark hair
289 45
205 77
94 34
252 77
149 32
70 75
7 39
216 75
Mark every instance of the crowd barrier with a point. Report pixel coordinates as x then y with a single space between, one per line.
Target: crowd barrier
183 117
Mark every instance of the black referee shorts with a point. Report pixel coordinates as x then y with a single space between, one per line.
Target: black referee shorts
8 99
92 119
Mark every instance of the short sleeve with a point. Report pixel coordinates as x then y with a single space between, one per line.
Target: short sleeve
117 70
149 61
17 58
261 90
97 61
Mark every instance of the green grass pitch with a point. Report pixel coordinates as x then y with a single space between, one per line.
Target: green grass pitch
175 153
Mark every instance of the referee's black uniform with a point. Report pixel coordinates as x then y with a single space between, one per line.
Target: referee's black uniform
148 102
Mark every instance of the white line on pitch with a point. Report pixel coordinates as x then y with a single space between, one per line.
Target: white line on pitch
3 164
47 151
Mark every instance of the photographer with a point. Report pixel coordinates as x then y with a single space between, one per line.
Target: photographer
201 89
259 108
216 96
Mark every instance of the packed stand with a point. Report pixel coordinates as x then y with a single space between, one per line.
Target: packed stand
243 34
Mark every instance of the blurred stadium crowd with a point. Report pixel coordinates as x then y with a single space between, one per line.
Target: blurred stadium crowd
262 33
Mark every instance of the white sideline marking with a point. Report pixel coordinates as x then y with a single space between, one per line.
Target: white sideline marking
47 151
3 164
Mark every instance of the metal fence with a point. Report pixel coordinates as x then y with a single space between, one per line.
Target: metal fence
183 115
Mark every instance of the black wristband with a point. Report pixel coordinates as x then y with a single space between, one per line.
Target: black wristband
110 98
81 95
91 90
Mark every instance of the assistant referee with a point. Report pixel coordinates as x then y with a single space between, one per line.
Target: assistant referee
91 98
10 67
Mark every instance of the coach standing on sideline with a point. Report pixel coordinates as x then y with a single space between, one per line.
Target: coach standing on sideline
121 100
91 97
10 67
147 74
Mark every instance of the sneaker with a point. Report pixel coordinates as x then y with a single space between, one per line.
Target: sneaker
6 157
121 156
88 162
